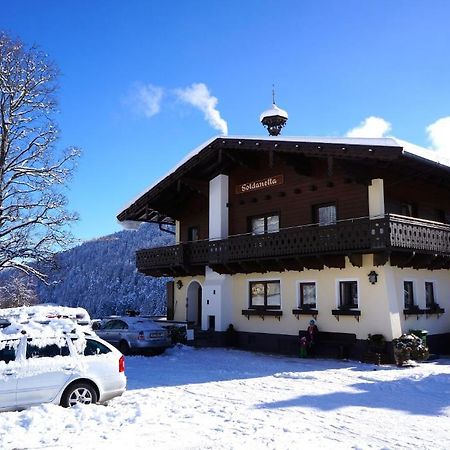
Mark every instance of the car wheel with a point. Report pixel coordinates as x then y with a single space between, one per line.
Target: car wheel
124 347
79 394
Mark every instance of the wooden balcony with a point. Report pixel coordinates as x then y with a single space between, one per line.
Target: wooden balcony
406 241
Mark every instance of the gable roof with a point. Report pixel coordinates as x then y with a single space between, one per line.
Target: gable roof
382 149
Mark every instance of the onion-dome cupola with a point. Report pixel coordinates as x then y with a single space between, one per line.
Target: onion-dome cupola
274 119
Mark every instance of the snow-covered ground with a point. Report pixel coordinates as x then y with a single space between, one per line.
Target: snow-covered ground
228 399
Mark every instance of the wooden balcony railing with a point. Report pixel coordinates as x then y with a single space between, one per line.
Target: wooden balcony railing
417 234
290 245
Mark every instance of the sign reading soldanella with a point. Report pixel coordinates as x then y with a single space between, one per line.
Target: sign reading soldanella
260 184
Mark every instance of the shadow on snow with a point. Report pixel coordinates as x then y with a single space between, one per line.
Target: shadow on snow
426 396
186 365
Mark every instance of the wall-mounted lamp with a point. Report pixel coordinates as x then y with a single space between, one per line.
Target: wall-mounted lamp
373 277
179 284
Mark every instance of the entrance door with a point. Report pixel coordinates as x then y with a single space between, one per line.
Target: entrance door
194 304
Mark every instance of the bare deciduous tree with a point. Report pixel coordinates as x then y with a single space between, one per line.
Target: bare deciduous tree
33 172
19 291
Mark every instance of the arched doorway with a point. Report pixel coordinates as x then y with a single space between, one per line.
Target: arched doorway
194 303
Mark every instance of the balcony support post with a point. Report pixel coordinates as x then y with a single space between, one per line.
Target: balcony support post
218 207
376 198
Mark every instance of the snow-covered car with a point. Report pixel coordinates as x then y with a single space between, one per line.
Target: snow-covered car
54 360
132 334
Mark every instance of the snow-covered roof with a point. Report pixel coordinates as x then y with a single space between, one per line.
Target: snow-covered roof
272 112
408 149
425 153
130 224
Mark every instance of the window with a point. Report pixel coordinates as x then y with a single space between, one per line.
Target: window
115 325
325 214
95 348
47 351
408 294
265 295
269 223
7 352
348 294
193 234
308 295
429 294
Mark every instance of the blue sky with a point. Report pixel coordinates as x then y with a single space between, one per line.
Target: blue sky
136 75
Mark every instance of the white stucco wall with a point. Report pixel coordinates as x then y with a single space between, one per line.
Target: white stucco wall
441 280
381 304
180 295
217 293
373 302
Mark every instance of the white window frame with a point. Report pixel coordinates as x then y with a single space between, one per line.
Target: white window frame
299 297
260 280
338 292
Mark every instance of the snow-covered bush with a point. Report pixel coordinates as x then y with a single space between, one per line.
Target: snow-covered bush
409 346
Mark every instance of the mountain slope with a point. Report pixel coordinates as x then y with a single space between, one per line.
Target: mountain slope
101 276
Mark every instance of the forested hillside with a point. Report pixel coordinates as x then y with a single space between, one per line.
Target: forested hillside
101 275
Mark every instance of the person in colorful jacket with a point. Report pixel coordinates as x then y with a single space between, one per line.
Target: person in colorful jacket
312 333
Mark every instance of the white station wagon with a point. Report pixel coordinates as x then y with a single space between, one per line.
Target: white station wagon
45 364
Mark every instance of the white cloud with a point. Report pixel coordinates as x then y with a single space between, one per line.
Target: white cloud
439 135
145 99
198 95
371 127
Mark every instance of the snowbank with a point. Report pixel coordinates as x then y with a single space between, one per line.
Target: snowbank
227 399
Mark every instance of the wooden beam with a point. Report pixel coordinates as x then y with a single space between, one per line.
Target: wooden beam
198 186
356 259
380 259
313 262
402 259
300 163
334 261
330 161
271 158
